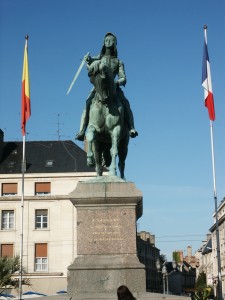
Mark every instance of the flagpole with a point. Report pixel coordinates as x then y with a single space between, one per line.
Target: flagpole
25 114
212 117
219 286
21 225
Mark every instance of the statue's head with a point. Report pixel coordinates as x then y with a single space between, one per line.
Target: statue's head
110 34
111 40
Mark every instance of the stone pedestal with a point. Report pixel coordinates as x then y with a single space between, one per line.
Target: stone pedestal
107 210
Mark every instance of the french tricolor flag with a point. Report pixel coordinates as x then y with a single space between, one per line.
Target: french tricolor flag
206 80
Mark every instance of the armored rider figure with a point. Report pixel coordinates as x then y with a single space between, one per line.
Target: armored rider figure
108 57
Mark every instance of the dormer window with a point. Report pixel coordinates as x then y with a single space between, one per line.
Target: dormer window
49 163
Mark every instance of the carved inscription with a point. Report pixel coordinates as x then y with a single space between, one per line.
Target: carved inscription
106 229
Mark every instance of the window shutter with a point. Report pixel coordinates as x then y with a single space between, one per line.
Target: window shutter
9 188
7 250
42 187
40 250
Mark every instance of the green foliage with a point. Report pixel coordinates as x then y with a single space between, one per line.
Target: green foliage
8 268
204 294
162 258
203 291
176 257
201 281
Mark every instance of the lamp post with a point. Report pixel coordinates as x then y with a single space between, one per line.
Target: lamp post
165 279
162 268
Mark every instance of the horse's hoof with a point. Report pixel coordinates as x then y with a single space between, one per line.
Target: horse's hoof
90 162
91 165
98 172
112 173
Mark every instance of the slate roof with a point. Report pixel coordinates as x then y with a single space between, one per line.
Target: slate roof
220 221
44 157
207 247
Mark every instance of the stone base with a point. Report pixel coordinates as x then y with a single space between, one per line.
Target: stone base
104 274
107 211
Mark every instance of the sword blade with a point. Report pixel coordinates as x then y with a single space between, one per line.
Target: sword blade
77 74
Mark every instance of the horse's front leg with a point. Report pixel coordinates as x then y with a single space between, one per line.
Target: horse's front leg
97 149
90 134
122 154
114 150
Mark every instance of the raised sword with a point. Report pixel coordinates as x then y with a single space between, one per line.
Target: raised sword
78 72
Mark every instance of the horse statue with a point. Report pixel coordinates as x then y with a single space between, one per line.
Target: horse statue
107 133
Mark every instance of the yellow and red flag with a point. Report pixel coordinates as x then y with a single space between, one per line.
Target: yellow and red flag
26 107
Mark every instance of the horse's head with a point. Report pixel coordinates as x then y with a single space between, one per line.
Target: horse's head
101 77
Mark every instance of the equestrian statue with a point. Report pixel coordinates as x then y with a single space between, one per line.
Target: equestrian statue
107 120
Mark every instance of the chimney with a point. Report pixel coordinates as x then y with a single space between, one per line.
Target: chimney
152 239
189 251
1 143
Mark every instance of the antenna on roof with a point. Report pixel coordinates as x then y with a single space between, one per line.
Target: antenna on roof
58 132
58 126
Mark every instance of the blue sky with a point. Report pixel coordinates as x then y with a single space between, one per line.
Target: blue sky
160 43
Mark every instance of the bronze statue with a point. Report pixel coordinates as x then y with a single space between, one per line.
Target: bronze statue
107 117
108 56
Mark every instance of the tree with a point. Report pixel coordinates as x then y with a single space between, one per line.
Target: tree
201 281
9 267
162 258
203 291
176 257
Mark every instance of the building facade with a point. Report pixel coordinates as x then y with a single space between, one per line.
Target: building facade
148 254
37 217
205 261
207 254
214 250
182 278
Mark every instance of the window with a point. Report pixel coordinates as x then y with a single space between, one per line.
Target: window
9 189
41 259
42 188
41 218
49 163
7 250
7 219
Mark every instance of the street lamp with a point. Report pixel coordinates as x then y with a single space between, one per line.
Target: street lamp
163 269
165 278
174 264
